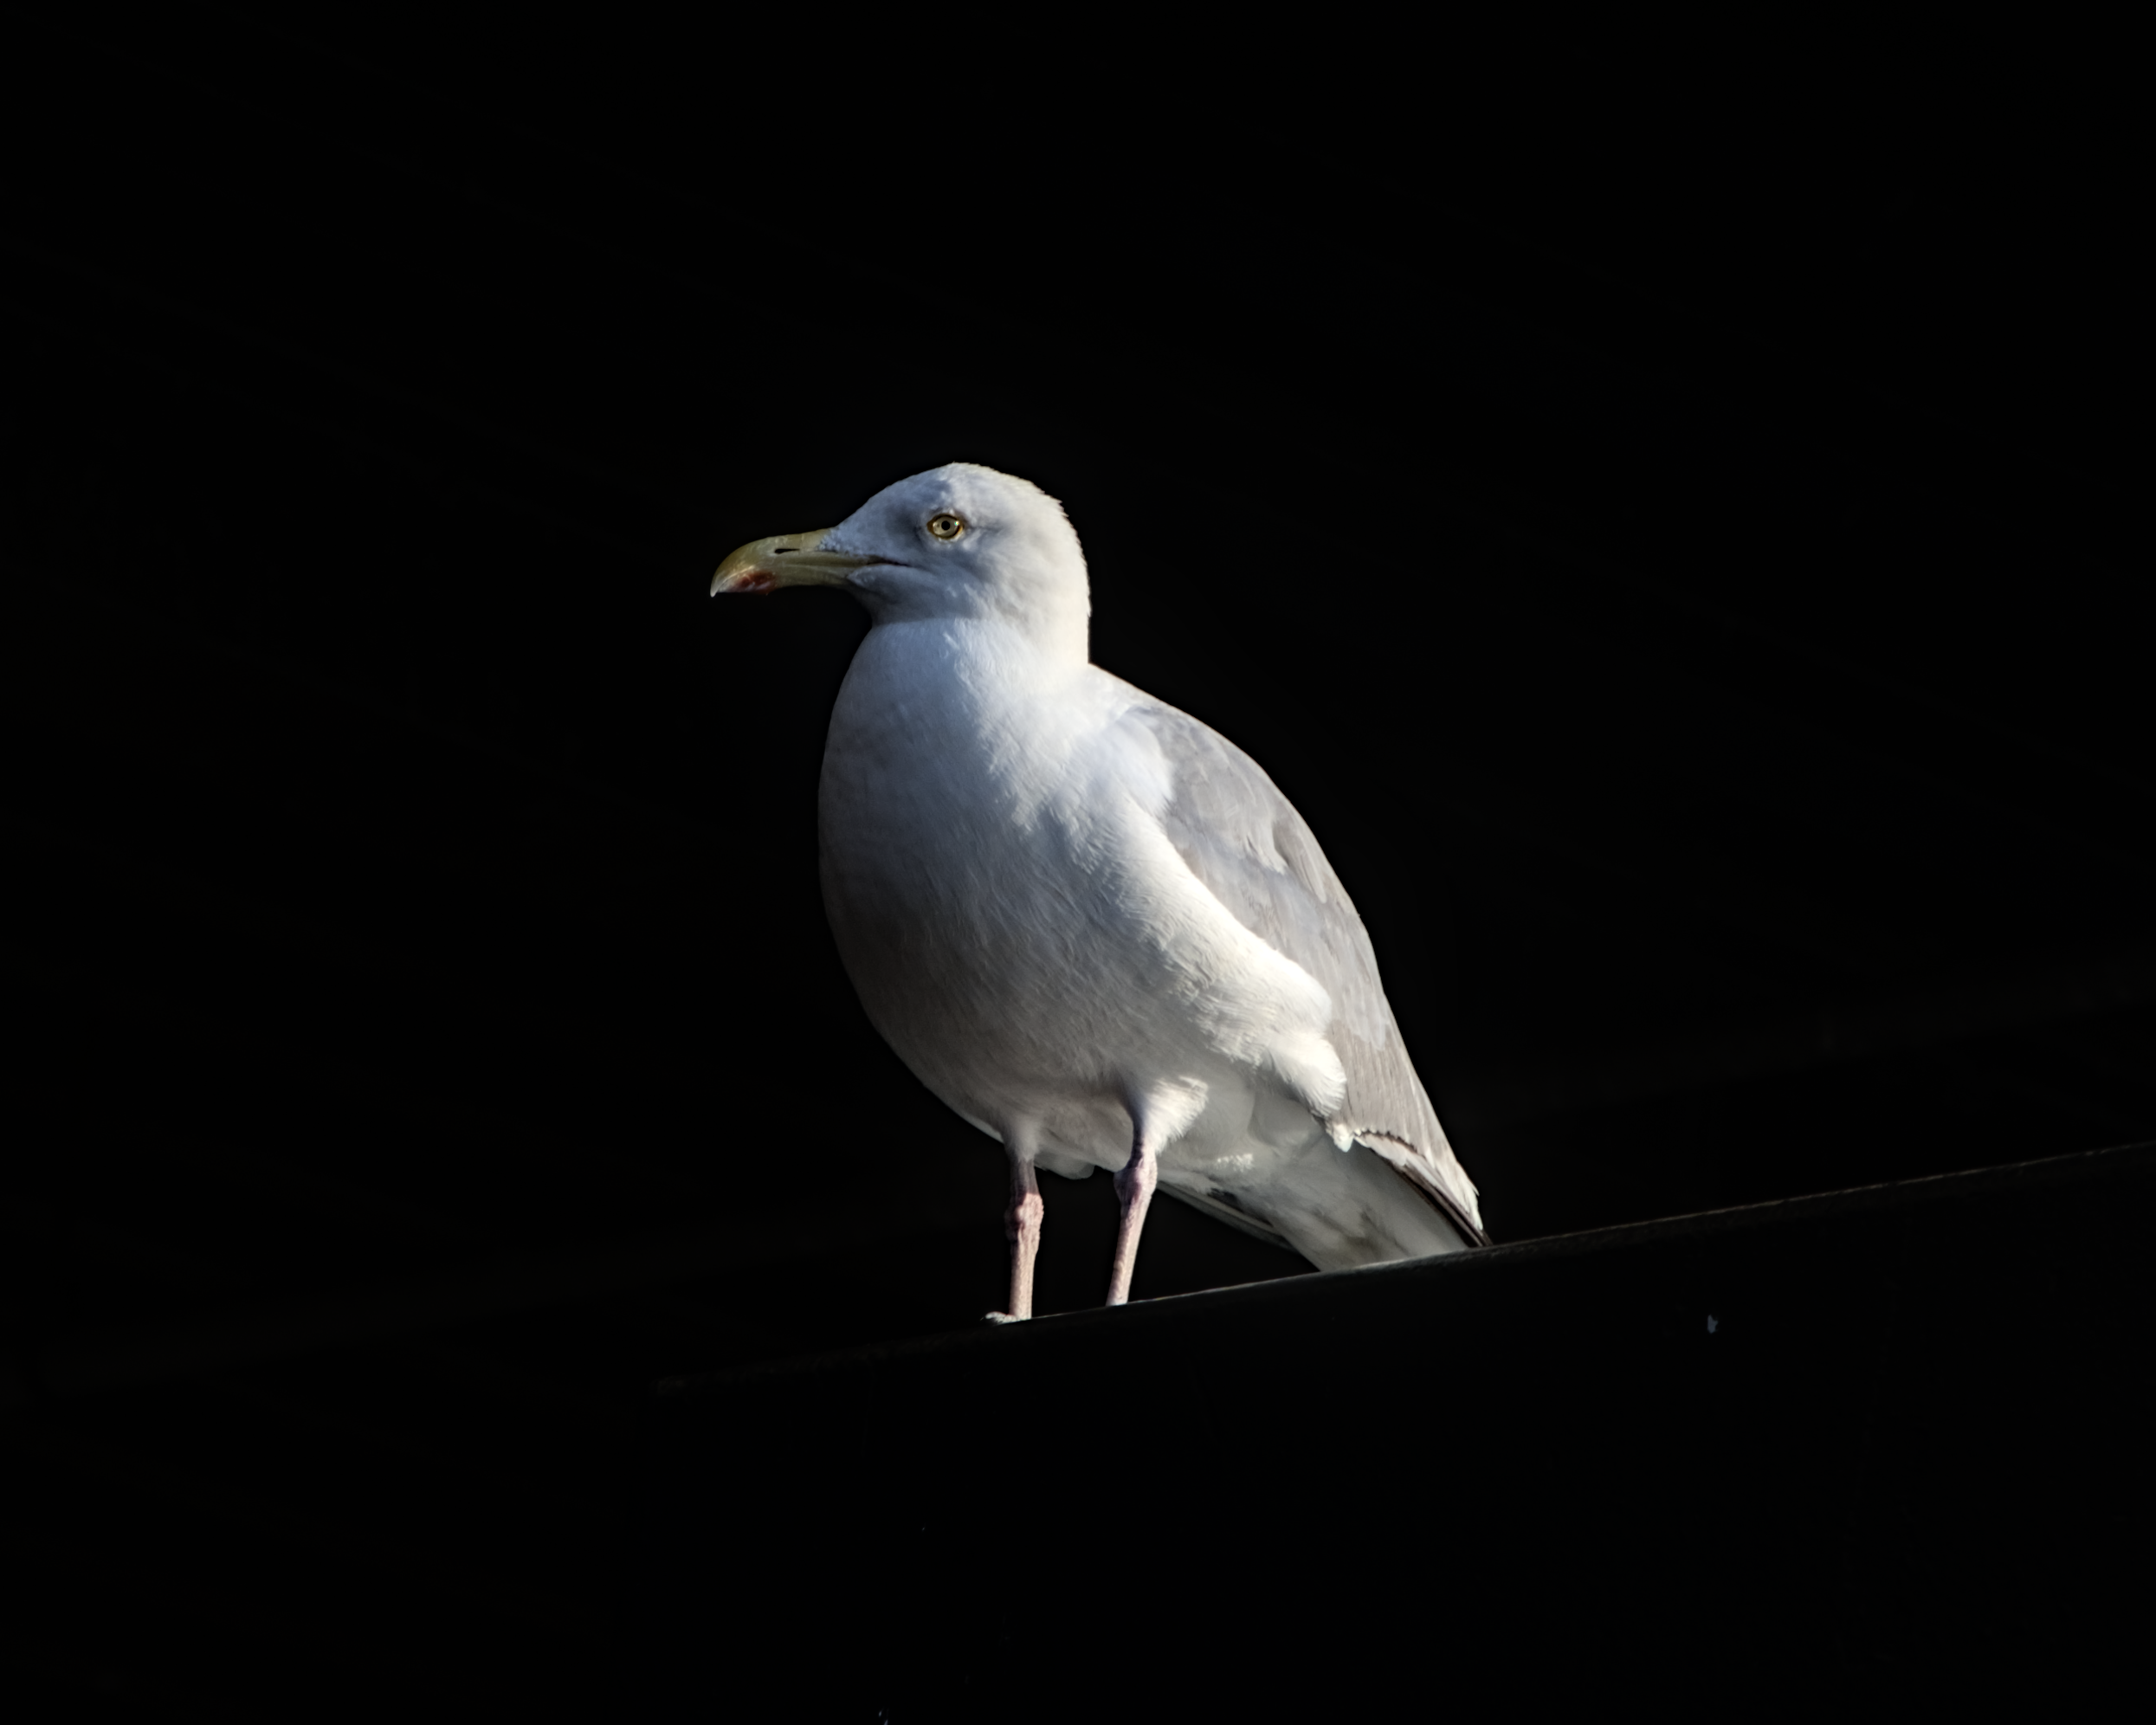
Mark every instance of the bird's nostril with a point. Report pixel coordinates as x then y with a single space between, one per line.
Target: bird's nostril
784 550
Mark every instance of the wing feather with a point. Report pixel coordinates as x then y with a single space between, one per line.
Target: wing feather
1251 850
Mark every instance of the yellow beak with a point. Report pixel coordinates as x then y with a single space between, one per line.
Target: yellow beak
785 560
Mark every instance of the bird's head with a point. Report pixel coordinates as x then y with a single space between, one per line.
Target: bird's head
957 541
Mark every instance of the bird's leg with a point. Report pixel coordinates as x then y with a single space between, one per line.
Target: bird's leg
1133 1186
1022 1222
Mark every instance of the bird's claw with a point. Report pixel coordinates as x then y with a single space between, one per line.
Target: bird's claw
1000 1318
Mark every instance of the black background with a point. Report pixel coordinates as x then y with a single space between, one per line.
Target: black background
1684 569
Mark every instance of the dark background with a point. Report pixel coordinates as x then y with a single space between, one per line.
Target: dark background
1689 582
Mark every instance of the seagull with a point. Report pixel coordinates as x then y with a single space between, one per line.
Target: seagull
1089 923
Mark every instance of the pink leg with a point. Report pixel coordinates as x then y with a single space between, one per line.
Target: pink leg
1022 1222
1133 1186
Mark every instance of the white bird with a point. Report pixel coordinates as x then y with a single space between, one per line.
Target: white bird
1089 923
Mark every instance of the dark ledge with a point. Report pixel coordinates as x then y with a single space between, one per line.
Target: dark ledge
1425 1285
1893 1439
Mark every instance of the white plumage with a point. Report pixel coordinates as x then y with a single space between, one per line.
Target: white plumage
1089 923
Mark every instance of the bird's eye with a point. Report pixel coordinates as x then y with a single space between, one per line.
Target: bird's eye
947 525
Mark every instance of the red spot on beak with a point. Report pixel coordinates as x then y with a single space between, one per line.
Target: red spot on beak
754 581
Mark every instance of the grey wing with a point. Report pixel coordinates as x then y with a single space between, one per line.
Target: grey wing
1245 842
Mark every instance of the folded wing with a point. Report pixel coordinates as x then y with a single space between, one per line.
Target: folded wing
1246 844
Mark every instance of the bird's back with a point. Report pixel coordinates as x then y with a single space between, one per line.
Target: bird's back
1253 852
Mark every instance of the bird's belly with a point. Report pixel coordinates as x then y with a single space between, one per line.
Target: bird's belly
1012 991
969 962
